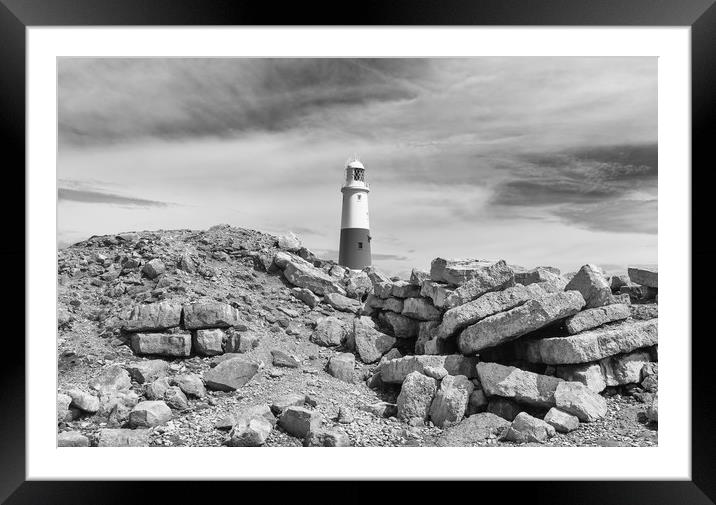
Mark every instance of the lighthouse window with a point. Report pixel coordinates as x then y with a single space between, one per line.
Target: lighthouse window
360 245
358 197
358 174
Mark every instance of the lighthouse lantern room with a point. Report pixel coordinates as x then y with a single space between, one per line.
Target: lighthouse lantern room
354 250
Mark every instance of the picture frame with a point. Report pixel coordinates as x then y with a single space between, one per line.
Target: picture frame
18 15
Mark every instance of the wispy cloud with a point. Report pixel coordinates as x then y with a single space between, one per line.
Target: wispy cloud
84 196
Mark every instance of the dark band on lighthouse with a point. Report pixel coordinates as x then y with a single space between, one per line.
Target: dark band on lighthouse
354 251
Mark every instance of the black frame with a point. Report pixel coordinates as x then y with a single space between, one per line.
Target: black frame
700 15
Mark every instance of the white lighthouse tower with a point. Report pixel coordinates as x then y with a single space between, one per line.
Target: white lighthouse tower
354 250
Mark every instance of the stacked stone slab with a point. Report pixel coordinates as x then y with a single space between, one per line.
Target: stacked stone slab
155 329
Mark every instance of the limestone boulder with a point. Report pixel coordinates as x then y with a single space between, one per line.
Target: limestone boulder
304 275
306 296
458 271
420 309
404 289
203 315
591 345
561 421
370 343
63 407
577 399
511 324
230 375
382 285
300 421
162 344
86 402
592 284
153 317
416 396
644 275
175 398
598 316
451 400
504 407
438 292
334 437
123 437
624 368
341 366
526 428
396 370
191 384
540 274
154 268
417 276
617 281
155 390
342 303
589 374
280 404
289 242
209 342
112 378
149 414
393 305
522 386
473 430
330 332
72 439
358 285
249 432
460 317
399 325
494 277
652 412
147 371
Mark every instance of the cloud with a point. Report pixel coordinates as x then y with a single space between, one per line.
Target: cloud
85 196
620 216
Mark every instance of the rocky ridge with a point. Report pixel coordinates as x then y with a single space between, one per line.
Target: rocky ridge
235 337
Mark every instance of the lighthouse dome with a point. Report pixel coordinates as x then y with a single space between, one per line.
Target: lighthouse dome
355 164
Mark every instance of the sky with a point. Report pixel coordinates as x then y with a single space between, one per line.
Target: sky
534 160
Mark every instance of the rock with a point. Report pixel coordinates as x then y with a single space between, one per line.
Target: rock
147 371
592 318
341 366
590 282
249 432
396 370
514 323
306 296
289 242
405 289
330 331
344 416
382 409
305 275
540 274
437 373
153 317
488 304
426 333
416 396
393 304
637 293
288 400
458 271
209 342
175 398
115 406
438 292
282 359
417 277
526 428
652 412
589 374
624 368
650 377
358 285
623 299
299 421
494 277
522 386
203 315
63 406
506 409
153 268
112 378
327 438
230 374
644 311
421 309
577 399
370 343
591 345
241 343
644 275
84 401
477 402
155 390
162 344
72 439
450 402
261 410
401 326
186 263
123 438
342 303
617 281
561 421
149 414
473 430
382 285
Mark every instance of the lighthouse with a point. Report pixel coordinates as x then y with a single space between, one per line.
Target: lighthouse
354 250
